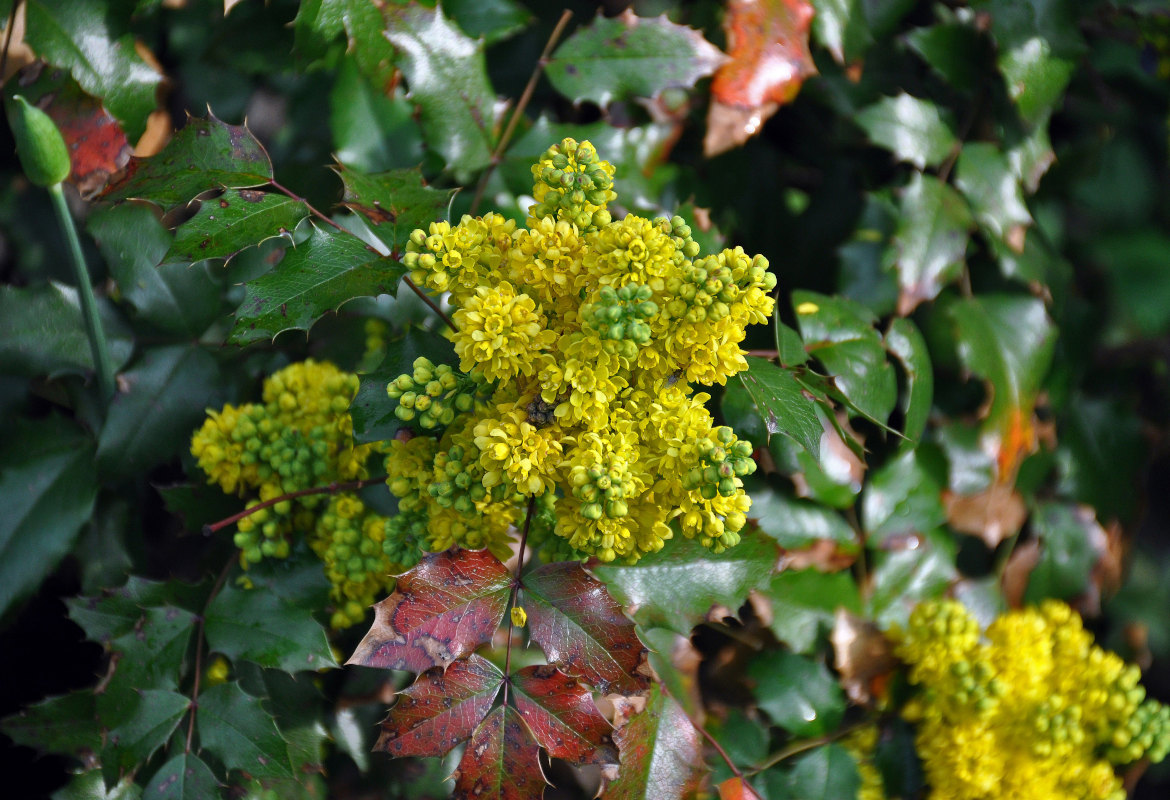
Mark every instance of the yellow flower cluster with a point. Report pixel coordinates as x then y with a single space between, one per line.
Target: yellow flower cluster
301 436
588 334
861 744
1029 708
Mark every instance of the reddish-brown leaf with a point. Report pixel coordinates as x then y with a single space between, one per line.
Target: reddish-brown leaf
768 42
440 709
661 753
582 629
862 655
562 716
736 789
444 608
97 145
501 762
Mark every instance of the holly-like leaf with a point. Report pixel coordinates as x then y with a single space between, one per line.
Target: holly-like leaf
91 785
447 76
903 577
394 202
177 298
260 626
116 612
930 243
827 773
582 629
42 332
901 498
1070 540
798 693
153 654
952 49
661 757
76 34
678 586
614 58
774 397
984 175
65 724
491 20
233 725
237 219
166 396
502 761
97 146
205 154
840 334
912 129
442 609
137 722
47 490
562 716
797 524
841 28
184 777
906 343
440 709
805 602
314 277
768 45
372 409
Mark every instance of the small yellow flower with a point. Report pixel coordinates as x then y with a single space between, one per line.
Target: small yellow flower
500 333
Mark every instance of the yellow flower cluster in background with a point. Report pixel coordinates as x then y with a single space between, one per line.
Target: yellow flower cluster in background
578 339
301 436
1028 709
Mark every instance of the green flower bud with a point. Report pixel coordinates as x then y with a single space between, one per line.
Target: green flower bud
39 144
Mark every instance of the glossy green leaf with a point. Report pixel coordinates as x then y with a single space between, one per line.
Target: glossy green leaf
237 219
775 398
930 244
1007 340
205 154
78 35
865 275
490 20
629 56
903 497
372 409
912 129
902 578
826 773
952 49
839 333
840 26
314 277
678 586
1069 537
166 396
796 524
394 203
177 298
91 785
260 626
447 76
137 722
42 332
235 727
804 603
154 652
797 693
371 132
184 777
906 343
47 490
65 724
985 178
1100 455
744 738
789 346
115 612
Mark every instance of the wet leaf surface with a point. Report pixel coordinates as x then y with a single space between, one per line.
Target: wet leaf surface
562 717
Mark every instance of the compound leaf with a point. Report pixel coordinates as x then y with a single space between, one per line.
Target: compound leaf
440 709
661 753
562 717
262 627
442 609
678 586
502 761
581 628
623 56
233 725
314 277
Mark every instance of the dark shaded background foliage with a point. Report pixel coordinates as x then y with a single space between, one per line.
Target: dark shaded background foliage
799 193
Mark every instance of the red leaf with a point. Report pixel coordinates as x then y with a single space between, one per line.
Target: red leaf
582 629
501 762
562 716
736 789
661 753
769 61
440 709
443 609
97 145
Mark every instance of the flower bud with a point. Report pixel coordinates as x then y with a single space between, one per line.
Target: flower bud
39 144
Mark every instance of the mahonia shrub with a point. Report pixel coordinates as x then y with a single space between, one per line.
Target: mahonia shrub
1028 708
579 340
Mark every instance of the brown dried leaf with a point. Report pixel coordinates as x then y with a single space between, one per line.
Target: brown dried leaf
862 656
1017 571
993 514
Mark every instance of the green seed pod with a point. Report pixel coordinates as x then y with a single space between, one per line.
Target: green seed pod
42 151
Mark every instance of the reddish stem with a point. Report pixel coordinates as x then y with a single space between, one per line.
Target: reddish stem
332 488
515 588
194 704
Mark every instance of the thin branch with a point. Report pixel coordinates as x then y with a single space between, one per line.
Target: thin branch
796 748
515 588
521 105
764 353
194 704
414 287
332 488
